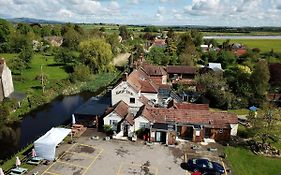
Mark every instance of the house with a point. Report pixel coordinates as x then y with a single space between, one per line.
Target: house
6 80
135 89
159 42
55 41
156 73
167 125
120 118
215 66
182 74
240 52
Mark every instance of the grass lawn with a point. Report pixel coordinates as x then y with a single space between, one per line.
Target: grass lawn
53 71
263 44
244 162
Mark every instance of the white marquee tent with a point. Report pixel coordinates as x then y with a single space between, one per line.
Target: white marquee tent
45 146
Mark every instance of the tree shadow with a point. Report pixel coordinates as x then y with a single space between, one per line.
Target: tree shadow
36 87
55 65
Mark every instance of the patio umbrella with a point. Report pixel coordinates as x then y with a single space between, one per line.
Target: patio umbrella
33 153
253 108
18 163
1 171
73 119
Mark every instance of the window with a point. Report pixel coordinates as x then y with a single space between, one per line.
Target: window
144 125
132 100
113 124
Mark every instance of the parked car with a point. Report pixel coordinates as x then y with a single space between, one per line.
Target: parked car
205 166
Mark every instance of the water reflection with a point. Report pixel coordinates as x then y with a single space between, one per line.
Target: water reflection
36 123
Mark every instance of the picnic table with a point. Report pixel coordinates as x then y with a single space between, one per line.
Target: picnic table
35 161
18 171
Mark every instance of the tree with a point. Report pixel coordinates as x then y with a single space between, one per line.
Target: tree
226 58
113 40
24 28
238 79
81 73
214 87
46 30
26 55
171 34
186 50
19 41
79 29
56 30
97 54
157 56
71 39
266 124
124 32
259 79
197 37
151 29
64 56
6 29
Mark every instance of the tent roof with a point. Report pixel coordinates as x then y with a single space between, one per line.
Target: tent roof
53 137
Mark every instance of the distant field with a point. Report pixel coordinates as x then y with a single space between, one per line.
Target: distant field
53 71
263 44
245 162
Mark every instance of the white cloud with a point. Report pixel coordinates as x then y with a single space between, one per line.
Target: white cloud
114 5
65 13
133 1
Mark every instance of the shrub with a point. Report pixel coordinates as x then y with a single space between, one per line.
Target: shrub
107 129
81 73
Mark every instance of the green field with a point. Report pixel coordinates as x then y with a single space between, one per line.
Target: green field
28 81
263 44
244 162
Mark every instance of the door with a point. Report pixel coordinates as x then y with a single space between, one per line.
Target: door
158 136
126 129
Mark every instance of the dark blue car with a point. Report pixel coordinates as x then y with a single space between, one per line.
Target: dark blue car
205 166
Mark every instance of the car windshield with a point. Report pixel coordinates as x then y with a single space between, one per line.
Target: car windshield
210 165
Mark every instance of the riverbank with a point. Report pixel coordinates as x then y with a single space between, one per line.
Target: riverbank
38 99
56 113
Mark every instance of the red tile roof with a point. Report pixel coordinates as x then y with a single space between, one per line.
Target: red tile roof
159 42
186 116
153 70
181 69
121 108
240 52
191 106
140 81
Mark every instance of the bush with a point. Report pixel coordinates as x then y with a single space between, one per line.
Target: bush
81 73
108 130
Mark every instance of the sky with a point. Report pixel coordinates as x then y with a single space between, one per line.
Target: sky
149 12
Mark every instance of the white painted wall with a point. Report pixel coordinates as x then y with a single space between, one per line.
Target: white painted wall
234 129
124 92
139 120
7 81
151 96
164 79
112 116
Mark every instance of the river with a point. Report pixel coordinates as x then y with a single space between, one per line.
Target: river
16 136
242 37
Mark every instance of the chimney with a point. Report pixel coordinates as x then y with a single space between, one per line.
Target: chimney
125 76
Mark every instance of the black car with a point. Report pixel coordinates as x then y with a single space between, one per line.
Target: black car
205 166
